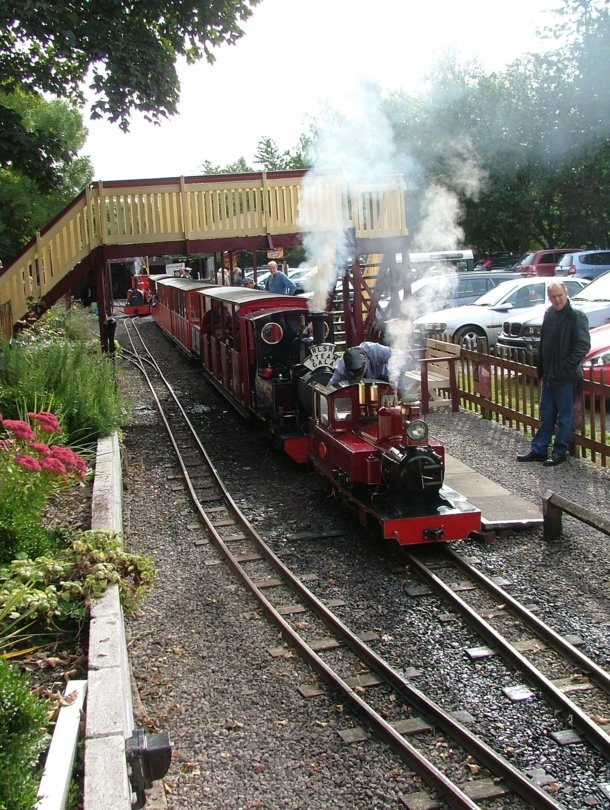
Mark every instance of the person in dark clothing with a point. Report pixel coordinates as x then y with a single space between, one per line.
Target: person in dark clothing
564 342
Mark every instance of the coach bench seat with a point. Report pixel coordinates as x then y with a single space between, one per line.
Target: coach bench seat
437 372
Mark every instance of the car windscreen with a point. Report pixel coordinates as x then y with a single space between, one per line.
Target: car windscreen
497 294
527 259
597 290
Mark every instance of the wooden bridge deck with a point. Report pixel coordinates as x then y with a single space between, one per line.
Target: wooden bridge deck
187 215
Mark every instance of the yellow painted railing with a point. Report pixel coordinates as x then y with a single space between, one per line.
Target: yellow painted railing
196 209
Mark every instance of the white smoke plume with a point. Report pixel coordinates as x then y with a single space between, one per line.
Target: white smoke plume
440 206
355 148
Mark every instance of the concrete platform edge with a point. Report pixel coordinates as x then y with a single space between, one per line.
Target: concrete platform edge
109 704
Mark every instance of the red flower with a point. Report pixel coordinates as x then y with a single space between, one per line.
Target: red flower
20 429
53 465
46 420
70 458
28 462
40 447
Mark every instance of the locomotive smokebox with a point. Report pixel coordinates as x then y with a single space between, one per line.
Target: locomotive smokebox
410 471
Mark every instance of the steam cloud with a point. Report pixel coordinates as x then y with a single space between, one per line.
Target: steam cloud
356 147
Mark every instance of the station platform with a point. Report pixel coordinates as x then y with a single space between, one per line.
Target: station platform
500 509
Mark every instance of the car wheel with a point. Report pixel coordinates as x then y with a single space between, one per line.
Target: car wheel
468 336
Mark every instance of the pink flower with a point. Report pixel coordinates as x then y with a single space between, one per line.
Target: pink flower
28 462
5 444
70 458
46 420
20 429
40 447
53 465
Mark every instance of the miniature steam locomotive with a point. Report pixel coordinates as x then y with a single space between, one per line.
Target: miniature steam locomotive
272 359
140 295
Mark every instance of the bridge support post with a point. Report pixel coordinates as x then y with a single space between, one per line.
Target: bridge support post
108 336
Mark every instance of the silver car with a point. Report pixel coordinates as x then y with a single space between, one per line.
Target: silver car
587 264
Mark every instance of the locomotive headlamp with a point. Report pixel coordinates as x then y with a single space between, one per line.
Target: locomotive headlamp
417 430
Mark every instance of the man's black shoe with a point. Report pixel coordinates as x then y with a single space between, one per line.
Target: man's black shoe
554 460
531 456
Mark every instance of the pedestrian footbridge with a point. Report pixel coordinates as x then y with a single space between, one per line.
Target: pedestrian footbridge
188 215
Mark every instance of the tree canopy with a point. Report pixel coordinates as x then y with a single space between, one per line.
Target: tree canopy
267 157
24 208
525 152
125 51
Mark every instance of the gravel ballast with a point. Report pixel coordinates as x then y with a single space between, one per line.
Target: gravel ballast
243 736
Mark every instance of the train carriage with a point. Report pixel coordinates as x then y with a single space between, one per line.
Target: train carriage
177 310
250 343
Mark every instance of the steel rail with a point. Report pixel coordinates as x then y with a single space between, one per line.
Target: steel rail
599 676
582 723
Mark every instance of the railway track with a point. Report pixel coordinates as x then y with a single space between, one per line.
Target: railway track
550 663
409 721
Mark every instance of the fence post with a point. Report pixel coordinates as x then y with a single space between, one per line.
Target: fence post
482 375
551 513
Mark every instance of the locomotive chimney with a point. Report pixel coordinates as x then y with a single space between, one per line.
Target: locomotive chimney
318 320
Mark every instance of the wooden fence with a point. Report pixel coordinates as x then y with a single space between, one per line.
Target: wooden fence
507 391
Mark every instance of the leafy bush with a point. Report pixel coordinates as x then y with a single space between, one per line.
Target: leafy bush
57 364
60 587
23 719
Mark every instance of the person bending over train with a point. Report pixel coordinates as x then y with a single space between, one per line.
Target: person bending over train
564 342
278 282
366 361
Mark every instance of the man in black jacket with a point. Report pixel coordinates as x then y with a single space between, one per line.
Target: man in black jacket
564 342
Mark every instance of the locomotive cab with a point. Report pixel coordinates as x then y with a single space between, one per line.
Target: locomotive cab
288 356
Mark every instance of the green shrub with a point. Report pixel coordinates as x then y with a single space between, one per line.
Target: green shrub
23 720
60 587
59 365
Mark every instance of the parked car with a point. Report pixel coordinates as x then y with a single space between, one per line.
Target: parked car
587 264
520 334
542 262
446 290
261 275
485 317
596 365
497 261
303 278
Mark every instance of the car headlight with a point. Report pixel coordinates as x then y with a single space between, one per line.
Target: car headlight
417 430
